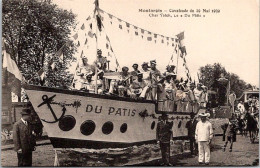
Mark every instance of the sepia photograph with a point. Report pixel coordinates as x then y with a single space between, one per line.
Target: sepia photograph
109 83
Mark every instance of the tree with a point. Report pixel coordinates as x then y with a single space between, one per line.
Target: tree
209 76
35 30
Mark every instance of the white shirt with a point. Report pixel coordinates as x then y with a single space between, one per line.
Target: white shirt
204 131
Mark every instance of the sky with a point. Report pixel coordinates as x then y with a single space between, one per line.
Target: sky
230 37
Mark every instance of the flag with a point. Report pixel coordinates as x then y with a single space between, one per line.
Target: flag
182 46
88 18
61 57
99 23
172 57
41 73
117 64
83 27
81 55
52 65
136 33
90 34
76 36
11 72
127 24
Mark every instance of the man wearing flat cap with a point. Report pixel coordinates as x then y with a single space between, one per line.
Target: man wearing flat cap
24 140
203 136
164 138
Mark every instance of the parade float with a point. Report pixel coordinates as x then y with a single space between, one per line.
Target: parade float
77 119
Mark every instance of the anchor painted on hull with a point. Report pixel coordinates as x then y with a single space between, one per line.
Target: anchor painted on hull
47 101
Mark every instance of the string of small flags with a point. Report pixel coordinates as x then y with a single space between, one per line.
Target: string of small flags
90 34
144 34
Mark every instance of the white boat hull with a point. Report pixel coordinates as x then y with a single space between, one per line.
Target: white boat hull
96 121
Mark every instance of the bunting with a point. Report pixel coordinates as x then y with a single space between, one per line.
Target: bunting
148 36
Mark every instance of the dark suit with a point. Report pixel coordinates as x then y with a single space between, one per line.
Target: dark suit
191 126
164 135
23 139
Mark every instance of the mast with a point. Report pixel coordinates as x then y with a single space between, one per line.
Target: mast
95 13
178 54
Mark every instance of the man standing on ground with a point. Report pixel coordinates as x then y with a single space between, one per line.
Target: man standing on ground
24 141
164 137
204 135
191 126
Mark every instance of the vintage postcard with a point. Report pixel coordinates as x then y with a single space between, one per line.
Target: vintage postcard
130 83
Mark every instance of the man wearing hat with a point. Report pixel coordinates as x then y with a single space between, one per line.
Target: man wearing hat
155 77
137 87
191 126
101 82
24 140
89 85
203 136
164 137
101 61
122 85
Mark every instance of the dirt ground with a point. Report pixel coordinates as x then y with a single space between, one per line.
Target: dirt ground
244 154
